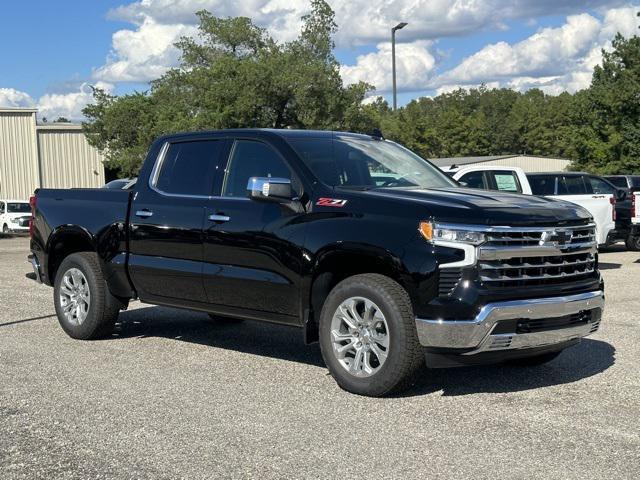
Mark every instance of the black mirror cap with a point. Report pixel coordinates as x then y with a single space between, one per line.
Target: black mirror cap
268 189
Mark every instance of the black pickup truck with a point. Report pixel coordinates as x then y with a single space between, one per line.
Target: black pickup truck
366 247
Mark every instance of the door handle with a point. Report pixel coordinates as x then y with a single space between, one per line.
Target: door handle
219 218
144 213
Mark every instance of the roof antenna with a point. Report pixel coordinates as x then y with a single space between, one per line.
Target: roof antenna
377 134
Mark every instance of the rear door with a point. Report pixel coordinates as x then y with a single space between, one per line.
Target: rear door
167 215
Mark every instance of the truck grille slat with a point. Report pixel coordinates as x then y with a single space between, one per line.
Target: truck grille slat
548 256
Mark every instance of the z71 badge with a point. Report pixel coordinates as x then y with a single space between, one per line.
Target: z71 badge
331 202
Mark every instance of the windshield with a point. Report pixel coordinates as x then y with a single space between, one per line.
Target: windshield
359 162
18 208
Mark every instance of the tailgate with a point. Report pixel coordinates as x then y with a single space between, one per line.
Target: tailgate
601 209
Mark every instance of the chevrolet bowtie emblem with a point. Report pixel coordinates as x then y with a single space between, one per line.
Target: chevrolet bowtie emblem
556 238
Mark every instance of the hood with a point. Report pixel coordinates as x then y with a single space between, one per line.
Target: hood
485 207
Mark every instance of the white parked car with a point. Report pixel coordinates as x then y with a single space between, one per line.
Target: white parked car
578 188
14 216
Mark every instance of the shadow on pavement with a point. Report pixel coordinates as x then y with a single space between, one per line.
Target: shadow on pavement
27 320
258 338
584 360
608 266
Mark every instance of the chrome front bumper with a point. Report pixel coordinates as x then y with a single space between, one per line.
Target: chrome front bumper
475 336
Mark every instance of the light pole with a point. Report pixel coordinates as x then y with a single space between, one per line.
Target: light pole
393 60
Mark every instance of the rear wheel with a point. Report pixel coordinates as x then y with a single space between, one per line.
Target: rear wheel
534 361
86 309
368 336
633 243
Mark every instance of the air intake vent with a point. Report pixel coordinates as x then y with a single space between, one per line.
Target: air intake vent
449 279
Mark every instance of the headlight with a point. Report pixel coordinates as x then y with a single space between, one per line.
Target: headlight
450 233
14 220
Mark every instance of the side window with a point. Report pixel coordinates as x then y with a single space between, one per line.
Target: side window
620 182
1 208
251 159
573 185
189 167
474 180
542 184
506 181
599 186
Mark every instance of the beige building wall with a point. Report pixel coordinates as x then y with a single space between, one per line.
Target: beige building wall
532 164
67 160
19 174
44 156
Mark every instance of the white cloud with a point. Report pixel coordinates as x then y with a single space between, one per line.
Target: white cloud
143 54
146 51
414 64
54 105
69 105
10 97
553 59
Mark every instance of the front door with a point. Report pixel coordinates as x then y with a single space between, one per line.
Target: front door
251 261
167 216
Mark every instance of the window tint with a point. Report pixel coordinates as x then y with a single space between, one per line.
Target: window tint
1 207
600 186
573 185
474 180
361 162
635 181
251 159
21 207
506 181
189 167
619 182
542 184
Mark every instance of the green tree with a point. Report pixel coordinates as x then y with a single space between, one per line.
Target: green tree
233 75
608 141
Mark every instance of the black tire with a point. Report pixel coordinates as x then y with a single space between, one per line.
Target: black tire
220 319
534 361
633 243
5 229
405 356
103 307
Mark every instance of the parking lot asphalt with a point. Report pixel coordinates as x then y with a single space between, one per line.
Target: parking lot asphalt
171 395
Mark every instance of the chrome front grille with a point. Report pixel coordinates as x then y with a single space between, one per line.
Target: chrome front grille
513 257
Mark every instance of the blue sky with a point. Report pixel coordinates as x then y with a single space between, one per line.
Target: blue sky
49 59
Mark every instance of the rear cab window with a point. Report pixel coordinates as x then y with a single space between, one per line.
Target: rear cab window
189 168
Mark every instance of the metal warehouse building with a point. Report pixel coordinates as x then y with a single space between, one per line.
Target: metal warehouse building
528 163
44 156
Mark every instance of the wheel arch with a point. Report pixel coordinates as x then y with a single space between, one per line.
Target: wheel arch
64 241
338 262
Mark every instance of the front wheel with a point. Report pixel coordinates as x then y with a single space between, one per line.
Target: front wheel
5 229
368 336
86 309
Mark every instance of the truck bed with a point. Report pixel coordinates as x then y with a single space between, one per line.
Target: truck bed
102 215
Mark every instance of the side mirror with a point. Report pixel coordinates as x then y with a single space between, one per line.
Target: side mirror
264 189
621 195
